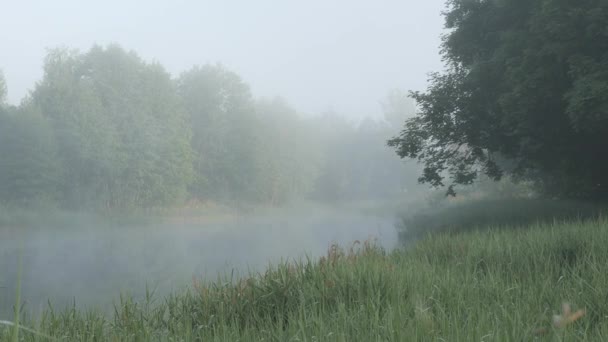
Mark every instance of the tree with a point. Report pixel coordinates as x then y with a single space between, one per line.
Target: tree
221 111
525 93
122 138
287 157
29 172
356 165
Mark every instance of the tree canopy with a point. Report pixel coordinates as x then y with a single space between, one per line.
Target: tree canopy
122 138
106 130
524 93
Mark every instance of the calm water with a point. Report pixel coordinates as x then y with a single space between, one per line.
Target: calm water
93 265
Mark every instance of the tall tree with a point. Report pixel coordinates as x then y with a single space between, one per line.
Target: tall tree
122 137
287 157
525 93
221 111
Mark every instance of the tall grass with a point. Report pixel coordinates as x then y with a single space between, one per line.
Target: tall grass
15 332
493 285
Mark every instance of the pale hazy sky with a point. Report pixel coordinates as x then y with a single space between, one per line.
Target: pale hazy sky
318 54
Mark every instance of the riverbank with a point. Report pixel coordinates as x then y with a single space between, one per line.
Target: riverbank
507 284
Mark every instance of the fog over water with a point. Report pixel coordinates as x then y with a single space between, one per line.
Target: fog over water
93 265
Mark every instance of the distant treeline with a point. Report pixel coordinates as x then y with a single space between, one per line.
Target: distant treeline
106 130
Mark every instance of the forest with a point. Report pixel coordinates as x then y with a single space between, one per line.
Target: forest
106 131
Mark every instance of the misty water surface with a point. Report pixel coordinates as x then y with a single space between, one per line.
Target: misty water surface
92 265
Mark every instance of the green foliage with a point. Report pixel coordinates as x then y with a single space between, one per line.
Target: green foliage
487 285
106 131
29 173
221 112
288 156
524 94
262 151
122 138
357 165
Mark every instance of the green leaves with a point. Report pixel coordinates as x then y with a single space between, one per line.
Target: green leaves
29 173
115 133
219 106
526 84
123 140
588 98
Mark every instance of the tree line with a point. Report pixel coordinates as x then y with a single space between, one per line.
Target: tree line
107 130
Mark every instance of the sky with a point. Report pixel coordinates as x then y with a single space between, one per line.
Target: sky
320 55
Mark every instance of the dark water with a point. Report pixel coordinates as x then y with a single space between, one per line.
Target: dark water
94 265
